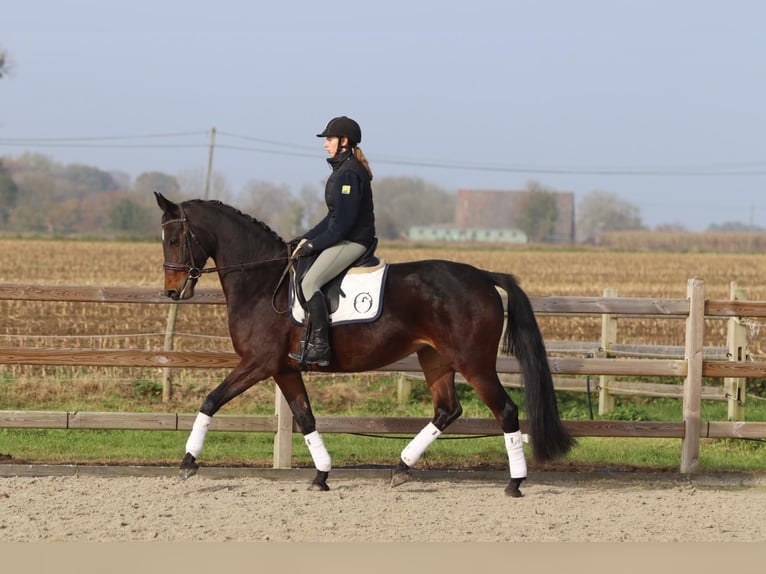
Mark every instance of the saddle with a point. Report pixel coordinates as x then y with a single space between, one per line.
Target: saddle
362 280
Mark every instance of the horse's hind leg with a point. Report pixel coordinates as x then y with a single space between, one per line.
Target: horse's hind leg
441 383
491 391
292 387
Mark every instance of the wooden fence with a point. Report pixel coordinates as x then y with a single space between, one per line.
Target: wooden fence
697 362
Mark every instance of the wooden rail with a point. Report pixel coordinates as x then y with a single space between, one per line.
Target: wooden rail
695 363
221 359
551 305
351 425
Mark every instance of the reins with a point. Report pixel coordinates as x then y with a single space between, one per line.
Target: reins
193 272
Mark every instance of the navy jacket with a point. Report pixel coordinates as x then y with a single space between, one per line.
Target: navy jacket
350 214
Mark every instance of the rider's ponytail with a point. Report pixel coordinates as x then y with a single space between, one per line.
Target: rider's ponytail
359 155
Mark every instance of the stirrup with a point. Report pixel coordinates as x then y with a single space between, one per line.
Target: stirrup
304 362
300 354
302 348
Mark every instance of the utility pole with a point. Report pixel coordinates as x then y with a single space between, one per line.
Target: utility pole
210 163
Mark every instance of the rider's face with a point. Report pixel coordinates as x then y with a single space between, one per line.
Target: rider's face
331 145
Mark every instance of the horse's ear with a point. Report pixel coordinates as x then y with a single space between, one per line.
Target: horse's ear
165 204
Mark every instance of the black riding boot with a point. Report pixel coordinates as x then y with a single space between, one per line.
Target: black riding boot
318 351
318 348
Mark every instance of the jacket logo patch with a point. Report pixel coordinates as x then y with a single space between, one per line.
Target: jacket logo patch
345 189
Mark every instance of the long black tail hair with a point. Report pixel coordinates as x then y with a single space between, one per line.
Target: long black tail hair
523 339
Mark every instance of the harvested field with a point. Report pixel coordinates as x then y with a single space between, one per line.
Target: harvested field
541 273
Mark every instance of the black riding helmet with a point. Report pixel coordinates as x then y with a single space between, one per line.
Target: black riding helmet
343 127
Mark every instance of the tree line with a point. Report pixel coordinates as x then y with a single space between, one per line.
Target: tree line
40 196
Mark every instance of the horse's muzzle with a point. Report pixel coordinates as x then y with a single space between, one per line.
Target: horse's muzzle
185 292
179 286
173 294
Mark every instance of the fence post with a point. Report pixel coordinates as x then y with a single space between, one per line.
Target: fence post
403 389
693 355
736 342
167 372
283 439
608 338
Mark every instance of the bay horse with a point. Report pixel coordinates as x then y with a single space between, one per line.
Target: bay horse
450 314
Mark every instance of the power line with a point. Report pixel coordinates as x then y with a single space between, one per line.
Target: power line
268 151
670 171
270 142
13 143
752 168
104 138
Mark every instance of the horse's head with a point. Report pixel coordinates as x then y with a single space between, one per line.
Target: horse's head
184 256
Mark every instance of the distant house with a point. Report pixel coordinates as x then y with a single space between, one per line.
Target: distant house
499 209
469 235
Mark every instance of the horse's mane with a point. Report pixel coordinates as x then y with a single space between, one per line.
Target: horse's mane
237 213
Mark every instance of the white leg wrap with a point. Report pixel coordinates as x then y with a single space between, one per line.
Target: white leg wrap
514 444
425 438
319 454
197 436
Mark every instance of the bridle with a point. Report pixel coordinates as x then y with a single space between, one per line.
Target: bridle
194 272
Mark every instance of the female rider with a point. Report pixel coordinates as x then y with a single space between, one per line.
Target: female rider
342 236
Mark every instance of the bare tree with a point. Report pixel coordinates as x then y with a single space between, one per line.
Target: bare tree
9 194
272 204
5 66
150 181
538 213
402 202
192 184
601 211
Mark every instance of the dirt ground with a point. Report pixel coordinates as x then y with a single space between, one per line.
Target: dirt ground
89 507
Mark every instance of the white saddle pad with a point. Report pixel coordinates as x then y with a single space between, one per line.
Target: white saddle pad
361 297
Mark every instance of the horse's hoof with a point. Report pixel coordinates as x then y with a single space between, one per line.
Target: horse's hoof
319 484
400 478
401 474
188 467
319 487
512 489
185 473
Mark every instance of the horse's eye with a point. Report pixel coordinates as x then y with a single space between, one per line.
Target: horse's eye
173 241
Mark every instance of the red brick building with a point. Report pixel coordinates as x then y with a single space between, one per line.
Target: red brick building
498 209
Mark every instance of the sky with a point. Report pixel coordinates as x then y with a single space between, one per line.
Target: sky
662 103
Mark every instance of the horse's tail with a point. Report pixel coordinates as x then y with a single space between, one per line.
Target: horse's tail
522 338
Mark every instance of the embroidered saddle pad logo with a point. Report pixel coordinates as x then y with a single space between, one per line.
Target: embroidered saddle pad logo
359 299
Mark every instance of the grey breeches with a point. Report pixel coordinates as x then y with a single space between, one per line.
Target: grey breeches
330 263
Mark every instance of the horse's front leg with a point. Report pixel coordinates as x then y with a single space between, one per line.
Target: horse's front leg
294 390
238 381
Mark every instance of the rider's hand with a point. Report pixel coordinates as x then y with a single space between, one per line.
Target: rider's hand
304 249
293 243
